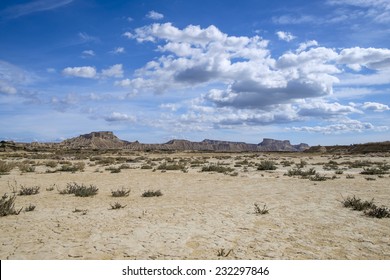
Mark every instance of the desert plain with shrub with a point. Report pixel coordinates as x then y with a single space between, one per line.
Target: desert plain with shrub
122 204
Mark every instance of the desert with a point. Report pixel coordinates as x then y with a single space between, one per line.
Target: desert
169 205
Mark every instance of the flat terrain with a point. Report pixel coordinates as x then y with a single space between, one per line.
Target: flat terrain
201 215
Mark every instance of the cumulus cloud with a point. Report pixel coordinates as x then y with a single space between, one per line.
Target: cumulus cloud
118 50
88 53
306 45
82 72
285 36
325 110
154 15
374 106
90 72
119 117
342 126
113 71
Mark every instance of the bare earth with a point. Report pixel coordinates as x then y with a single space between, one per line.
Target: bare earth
200 214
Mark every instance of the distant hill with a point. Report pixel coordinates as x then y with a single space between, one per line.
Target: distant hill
377 147
107 140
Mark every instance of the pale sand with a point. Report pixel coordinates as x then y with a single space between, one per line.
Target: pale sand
198 215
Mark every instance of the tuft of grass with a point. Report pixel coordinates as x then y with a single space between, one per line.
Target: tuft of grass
259 210
29 190
117 205
120 192
150 193
30 208
378 212
357 204
217 168
300 172
7 206
5 167
267 165
79 190
318 177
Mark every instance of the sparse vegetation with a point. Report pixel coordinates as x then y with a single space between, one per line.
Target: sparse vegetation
300 172
7 206
5 167
30 208
29 190
150 193
368 207
79 190
117 205
267 165
259 210
217 168
120 192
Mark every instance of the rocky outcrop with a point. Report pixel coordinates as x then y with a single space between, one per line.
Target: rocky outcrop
281 145
95 140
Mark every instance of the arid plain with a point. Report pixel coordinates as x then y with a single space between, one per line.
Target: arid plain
206 210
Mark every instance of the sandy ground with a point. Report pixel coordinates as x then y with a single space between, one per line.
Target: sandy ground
199 214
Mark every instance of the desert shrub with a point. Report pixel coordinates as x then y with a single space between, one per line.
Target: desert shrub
5 167
267 165
217 168
339 172
29 190
79 190
146 166
373 171
259 210
7 206
378 212
300 172
30 208
359 163
165 166
286 163
69 167
357 204
25 167
82 211
301 164
117 205
318 177
331 165
120 192
370 179
350 176
150 193
113 169
52 164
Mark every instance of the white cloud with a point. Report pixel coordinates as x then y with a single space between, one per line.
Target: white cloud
154 15
113 71
290 19
372 58
88 53
306 45
119 117
82 72
118 50
374 106
6 88
342 126
129 19
128 35
85 38
325 110
285 36
33 7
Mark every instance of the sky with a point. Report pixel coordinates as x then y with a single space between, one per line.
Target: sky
316 72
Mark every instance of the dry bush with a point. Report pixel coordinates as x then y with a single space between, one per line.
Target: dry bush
120 192
29 190
7 206
150 193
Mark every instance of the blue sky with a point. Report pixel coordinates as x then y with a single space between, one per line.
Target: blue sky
309 71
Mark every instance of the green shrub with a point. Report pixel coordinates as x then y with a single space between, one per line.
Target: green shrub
165 166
